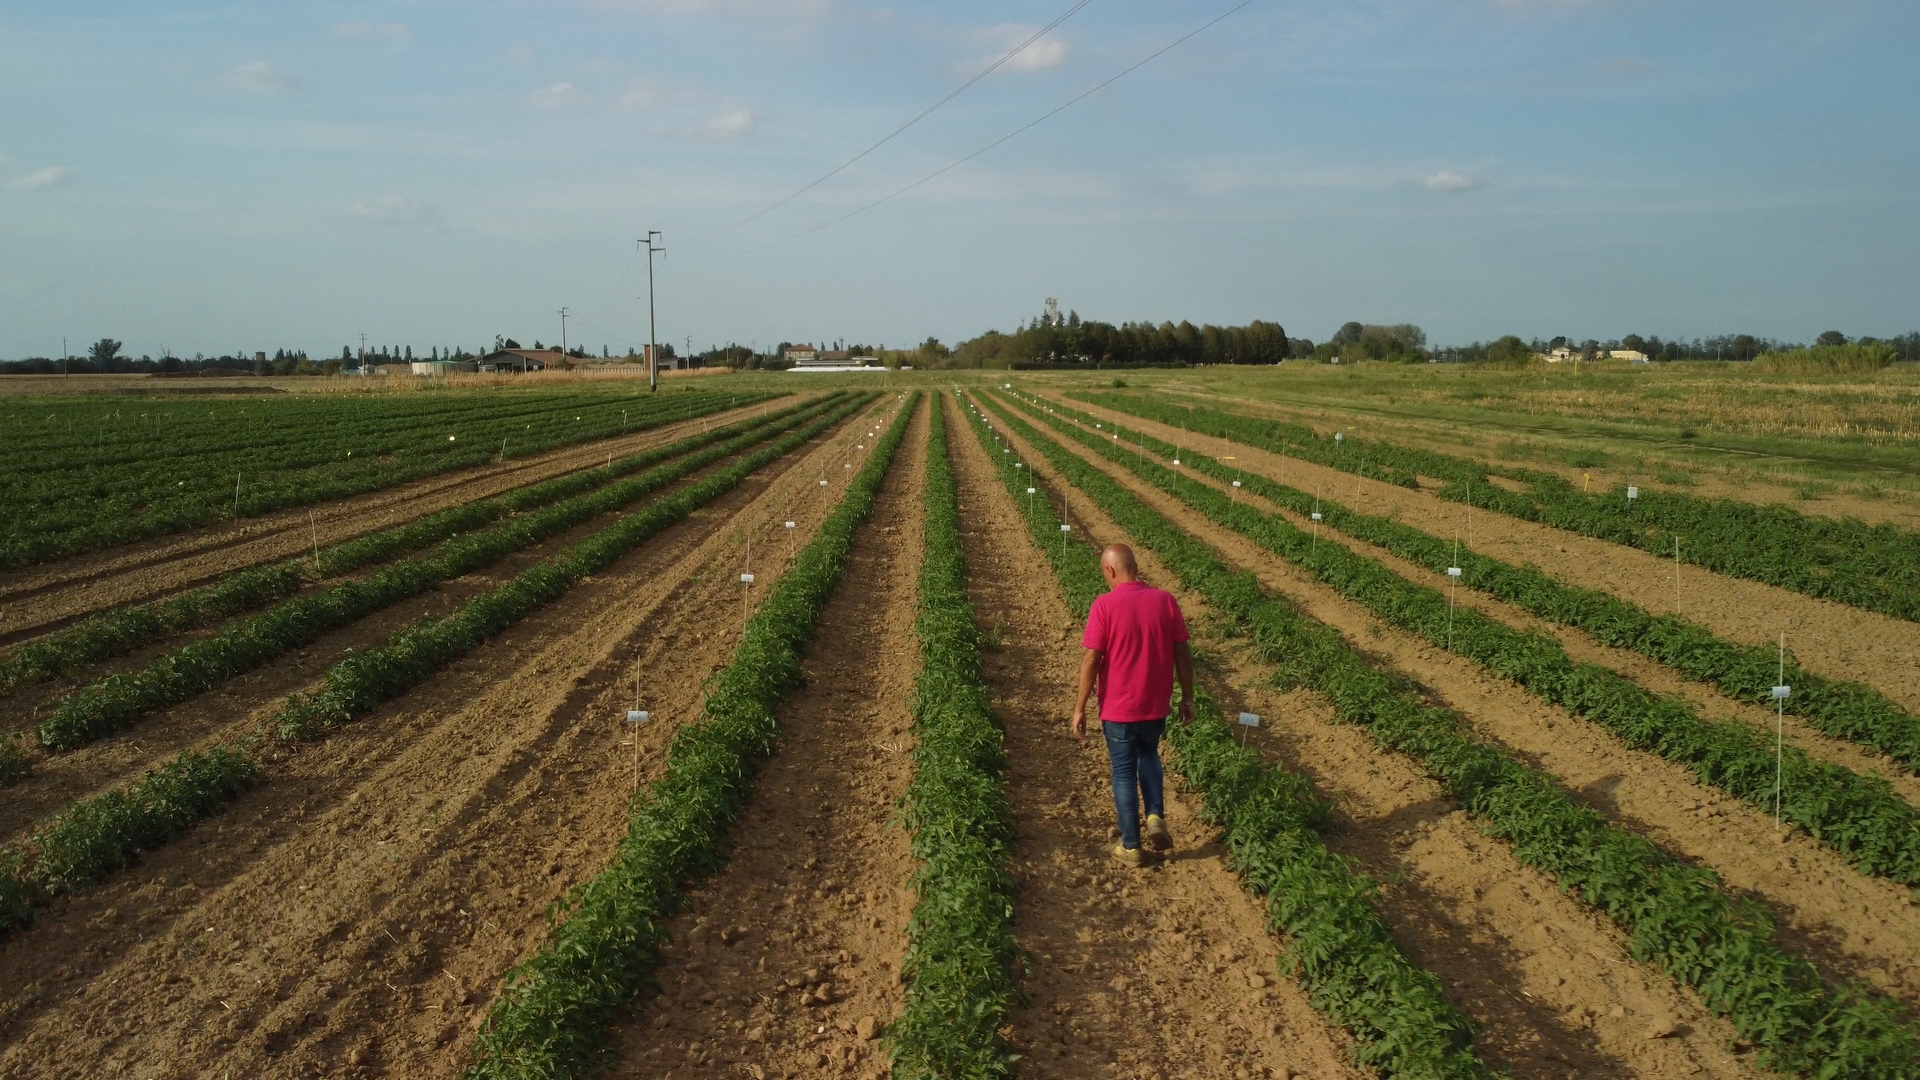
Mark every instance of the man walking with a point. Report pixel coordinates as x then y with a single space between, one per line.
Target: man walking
1136 642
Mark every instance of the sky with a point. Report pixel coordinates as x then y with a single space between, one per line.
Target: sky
217 177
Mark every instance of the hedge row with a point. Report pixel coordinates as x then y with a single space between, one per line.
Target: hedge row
552 1016
1875 567
1675 915
961 959
72 648
1860 817
115 702
1338 947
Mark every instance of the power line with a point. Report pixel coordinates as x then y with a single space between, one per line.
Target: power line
928 111
1069 103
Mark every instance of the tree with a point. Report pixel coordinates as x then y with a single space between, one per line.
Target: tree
1831 337
102 352
1509 349
1634 342
1744 347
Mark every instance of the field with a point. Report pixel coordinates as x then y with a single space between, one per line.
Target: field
347 775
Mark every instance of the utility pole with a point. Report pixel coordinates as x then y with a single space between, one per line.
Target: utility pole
66 358
363 352
653 359
563 335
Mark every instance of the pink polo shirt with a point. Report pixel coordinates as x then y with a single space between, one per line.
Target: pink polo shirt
1135 628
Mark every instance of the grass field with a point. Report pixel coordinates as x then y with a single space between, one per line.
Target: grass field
342 782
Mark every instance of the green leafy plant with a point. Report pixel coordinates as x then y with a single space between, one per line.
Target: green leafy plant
1675 915
961 954
1337 946
552 1016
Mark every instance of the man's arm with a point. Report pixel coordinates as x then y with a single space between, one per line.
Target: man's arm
1183 670
1089 663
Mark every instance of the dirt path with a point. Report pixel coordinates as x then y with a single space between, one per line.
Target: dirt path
42 598
785 963
353 916
1852 925
1547 981
1832 639
1164 972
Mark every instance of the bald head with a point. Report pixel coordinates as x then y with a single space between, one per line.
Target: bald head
1117 564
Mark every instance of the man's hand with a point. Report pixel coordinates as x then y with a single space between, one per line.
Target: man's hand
1079 723
1186 708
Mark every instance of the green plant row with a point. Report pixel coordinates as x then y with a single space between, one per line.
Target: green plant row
1875 567
365 679
72 648
1079 575
552 1016
1860 817
961 960
1338 948
326 457
115 702
98 835
1843 709
1675 915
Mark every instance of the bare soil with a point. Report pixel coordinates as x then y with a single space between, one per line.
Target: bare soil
1167 971
785 964
1547 981
40 598
354 915
1832 639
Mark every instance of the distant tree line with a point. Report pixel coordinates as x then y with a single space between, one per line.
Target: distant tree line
1067 341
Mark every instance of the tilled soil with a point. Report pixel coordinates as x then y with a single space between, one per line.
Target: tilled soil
785 963
1852 925
1163 972
237 707
1829 638
1547 981
40 598
354 915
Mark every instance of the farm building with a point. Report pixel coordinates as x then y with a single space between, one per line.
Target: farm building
502 360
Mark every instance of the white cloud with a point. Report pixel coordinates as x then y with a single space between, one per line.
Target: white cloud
558 96
1043 55
393 210
40 178
380 31
259 77
1449 180
727 125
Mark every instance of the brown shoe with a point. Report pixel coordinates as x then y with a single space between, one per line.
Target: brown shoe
1132 856
1157 835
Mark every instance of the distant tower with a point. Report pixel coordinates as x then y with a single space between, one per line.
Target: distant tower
1053 312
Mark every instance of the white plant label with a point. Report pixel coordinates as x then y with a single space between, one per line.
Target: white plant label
823 483
1453 571
789 524
1029 491
1236 483
636 716
746 579
1632 492
1316 515
1248 719
1066 528
1780 693
1338 437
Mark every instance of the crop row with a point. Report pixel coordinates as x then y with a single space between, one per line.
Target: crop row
53 516
1875 567
961 955
1337 947
1843 709
1675 915
553 1014
69 650
100 834
365 679
1860 817
112 703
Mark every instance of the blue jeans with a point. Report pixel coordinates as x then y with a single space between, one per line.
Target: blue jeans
1134 752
